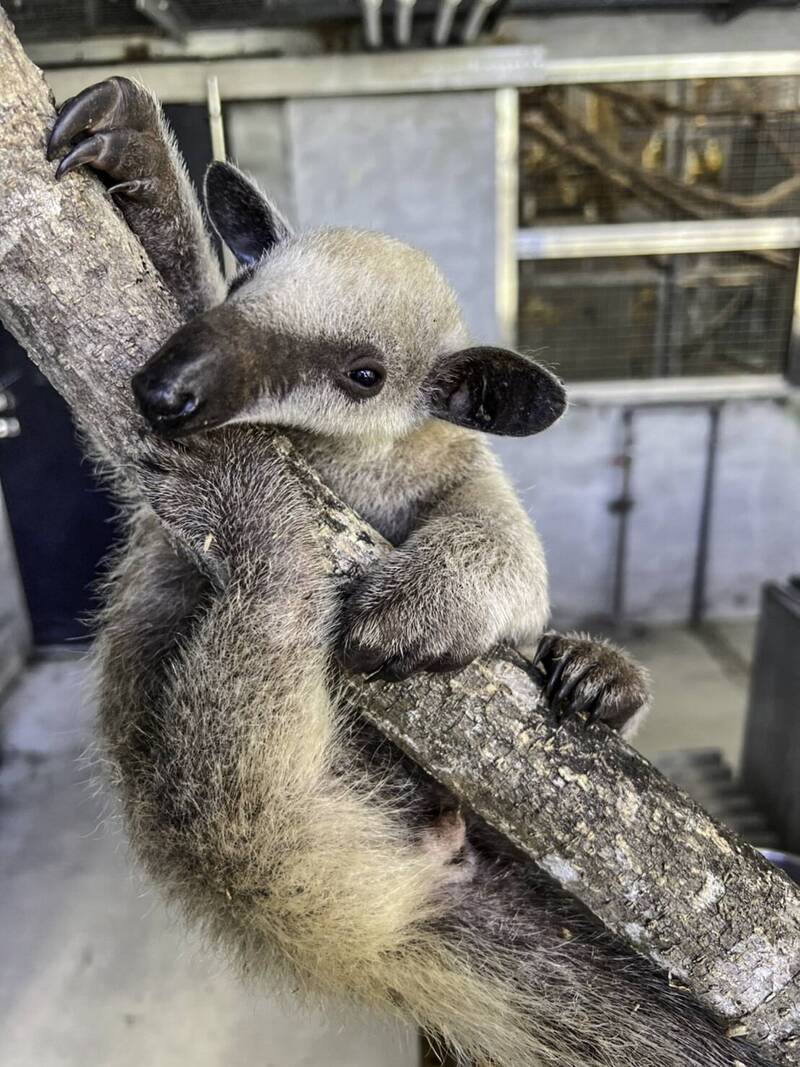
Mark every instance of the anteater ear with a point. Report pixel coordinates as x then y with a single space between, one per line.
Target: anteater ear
497 391
243 217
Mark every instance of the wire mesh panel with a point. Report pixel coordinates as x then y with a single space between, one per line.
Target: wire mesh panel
698 149
48 20
643 317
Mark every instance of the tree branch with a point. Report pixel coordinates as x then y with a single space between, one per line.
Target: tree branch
78 292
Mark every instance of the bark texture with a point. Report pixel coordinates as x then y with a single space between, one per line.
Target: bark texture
78 292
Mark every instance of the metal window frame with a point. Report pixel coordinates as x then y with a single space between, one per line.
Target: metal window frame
431 70
658 238
672 238
506 288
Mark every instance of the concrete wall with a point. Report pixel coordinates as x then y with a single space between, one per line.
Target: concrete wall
569 477
402 164
423 169
657 33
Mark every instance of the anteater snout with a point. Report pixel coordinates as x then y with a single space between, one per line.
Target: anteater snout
180 389
161 399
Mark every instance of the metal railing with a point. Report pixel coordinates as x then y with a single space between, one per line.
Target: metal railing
658 238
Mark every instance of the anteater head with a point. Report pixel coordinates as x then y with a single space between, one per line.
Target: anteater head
334 331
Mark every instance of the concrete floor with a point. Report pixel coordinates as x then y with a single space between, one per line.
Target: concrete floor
95 973
93 970
700 681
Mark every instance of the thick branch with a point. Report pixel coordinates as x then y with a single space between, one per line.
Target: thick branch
77 291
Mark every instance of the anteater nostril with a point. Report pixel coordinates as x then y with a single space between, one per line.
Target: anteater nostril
167 401
163 400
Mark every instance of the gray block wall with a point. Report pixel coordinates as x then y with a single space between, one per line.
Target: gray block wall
570 475
422 168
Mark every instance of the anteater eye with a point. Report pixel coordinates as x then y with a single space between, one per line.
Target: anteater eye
365 381
366 377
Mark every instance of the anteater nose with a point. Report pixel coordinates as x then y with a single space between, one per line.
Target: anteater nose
162 400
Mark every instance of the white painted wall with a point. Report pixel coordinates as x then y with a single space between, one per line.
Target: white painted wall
419 167
568 477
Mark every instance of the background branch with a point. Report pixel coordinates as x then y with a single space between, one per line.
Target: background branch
78 292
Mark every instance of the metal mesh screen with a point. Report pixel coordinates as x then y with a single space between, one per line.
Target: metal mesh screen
45 20
660 151
699 149
635 317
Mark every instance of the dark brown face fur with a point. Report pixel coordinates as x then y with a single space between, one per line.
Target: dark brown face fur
219 365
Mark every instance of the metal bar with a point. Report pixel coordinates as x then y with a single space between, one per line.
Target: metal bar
664 325
475 20
371 17
506 203
216 126
721 275
622 507
216 129
90 14
198 44
167 15
442 27
512 66
658 238
672 67
698 602
793 348
403 22
657 392
9 427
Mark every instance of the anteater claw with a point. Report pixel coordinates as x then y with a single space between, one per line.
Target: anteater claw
591 678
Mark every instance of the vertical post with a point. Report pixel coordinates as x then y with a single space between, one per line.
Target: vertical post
621 508
216 129
506 201
15 627
792 370
371 19
698 603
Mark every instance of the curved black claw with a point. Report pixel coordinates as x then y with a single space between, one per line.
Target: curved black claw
92 150
92 109
543 649
591 678
564 695
555 677
106 105
112 127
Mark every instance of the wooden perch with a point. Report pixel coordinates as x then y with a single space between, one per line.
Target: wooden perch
78 292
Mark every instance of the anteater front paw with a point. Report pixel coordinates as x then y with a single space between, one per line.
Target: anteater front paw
590 676
369 646
390 632
113 127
